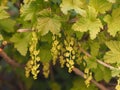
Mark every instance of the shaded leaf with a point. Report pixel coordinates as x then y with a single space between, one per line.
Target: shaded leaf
79 84
7 25
45 53
55 86
102 73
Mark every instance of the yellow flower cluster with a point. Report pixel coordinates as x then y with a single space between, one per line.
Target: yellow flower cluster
55 49
62 61
46 69
88 77
70 65
32 65
70 53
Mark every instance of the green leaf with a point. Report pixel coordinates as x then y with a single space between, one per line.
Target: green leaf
48 22
107 74
7 25
91 62
45 53
101 5
67 5
98 74
28 12
79 34
113 56
89 23
79 84
21 42
3 13
94 46
55 86
113 22
47 38
102 73
56 1
115 72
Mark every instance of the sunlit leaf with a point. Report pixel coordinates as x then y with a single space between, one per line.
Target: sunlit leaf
67 5
101 5
89 23
113 22
113 56
48 22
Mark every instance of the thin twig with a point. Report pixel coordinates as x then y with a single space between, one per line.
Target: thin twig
24 30
99 61
8 59
80 73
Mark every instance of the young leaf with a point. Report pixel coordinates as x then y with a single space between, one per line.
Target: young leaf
48 22
113 56
89 23
113 22
21 41
67 5
101 5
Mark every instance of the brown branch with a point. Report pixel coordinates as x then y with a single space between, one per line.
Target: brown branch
8 59
99 61
75 70
80 73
